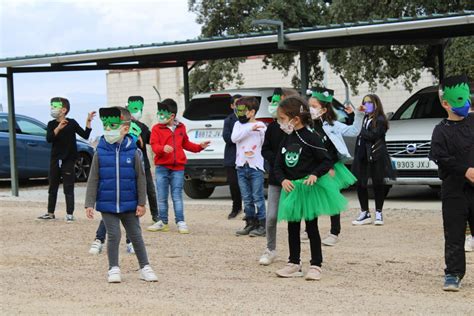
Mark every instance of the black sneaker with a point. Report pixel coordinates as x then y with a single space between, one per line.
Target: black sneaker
259 230
249 226
233 214
452 283
363 219
47 216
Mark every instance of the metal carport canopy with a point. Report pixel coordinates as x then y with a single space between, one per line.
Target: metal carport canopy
430 30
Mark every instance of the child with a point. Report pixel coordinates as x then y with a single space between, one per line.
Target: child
452 148
248 135
300 167
117 188
372 160
168 141
61 132
273 137
332 132
141 135
229 159
135 106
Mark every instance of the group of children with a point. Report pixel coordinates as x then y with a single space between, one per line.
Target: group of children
303 151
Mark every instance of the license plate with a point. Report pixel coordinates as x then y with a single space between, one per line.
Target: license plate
208 133
411 164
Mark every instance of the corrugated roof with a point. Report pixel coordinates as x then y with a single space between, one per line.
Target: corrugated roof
7 62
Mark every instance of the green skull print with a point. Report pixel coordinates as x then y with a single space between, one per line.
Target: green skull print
292 155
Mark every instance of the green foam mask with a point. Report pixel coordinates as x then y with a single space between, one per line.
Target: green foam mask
135 130
57 104
114 122
135 106
164 115
241 110
323 96
456 95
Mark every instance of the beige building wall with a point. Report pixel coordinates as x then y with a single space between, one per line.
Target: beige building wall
169 81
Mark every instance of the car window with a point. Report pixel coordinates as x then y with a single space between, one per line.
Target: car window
421 106
408 113
3 124
211 108
30 128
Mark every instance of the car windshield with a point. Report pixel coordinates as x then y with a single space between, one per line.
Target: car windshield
210 108
421 106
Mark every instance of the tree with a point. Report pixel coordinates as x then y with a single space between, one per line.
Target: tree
372 64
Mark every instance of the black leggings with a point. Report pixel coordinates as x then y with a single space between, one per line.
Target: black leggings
314 242
375 171
61 169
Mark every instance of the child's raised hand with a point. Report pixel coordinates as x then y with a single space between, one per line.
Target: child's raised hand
62 124
361 108
168 149
90 213
287 185
205 144
141 210
91 116
348 109
311 180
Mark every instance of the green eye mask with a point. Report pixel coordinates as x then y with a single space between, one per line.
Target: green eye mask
241 110
456 95
57 104
135 106
135 130
276 98
114 122
164 115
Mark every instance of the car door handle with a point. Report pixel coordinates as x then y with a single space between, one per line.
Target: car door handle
32 144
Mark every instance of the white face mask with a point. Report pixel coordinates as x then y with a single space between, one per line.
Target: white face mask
137 116
55 113
287 127
273 110
113 136
315 113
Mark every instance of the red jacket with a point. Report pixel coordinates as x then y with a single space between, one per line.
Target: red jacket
162 135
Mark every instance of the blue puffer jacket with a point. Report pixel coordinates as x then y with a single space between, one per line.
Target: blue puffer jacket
117 191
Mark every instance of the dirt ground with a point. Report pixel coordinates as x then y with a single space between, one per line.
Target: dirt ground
45 268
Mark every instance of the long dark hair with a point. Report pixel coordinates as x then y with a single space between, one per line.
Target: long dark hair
378 111
296 106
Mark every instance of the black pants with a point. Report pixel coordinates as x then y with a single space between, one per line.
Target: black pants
336 224
314 242
234 188
151 193
61 169
456 213
375 171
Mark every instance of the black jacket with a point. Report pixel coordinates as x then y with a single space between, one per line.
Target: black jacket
230 150
452 148
145 134
371 147
273 138
64 145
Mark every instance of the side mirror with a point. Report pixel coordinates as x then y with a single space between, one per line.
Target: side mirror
390 115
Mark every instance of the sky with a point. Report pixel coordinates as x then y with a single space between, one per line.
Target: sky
29 27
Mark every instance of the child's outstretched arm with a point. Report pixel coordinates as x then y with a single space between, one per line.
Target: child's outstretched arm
354 129
193 147
92 184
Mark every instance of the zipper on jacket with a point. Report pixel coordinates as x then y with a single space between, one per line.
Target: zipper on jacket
117 174
174 145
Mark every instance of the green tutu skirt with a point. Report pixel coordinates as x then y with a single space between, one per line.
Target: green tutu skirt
343 176
307 202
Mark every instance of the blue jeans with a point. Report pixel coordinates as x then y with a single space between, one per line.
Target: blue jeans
251 187
166 179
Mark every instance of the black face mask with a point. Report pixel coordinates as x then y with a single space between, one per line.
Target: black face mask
243 119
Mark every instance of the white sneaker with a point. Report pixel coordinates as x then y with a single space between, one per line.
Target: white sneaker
158 227
378 219
330 240
183 228
147 274
69 218
268 257
363 219
130 248
96 247
291 270
469 244
114 275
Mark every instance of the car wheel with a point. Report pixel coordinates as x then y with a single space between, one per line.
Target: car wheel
196 189
82 167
